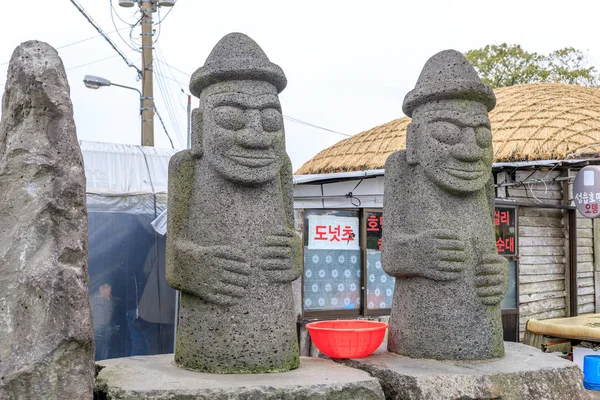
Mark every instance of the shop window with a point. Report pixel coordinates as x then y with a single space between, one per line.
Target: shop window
510 298
343 275
380 286
332 262
505 222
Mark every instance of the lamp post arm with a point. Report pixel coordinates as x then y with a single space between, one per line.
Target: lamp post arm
127 87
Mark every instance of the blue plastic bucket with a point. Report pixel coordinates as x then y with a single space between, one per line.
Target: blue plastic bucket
591 372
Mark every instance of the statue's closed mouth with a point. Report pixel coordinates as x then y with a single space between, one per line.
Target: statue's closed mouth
466 173
253 158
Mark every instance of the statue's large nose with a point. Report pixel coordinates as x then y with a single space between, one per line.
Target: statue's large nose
467 149
253 135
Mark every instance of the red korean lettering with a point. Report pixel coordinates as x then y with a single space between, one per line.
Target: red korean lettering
379 244
496 217
373 225
348 234
595 208
505 218
509 245
500 245
335 233
588 209
321 231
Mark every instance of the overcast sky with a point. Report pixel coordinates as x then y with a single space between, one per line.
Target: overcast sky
349 64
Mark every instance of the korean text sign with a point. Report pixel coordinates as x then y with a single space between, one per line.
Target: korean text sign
586 191
505 219
333 232
374 229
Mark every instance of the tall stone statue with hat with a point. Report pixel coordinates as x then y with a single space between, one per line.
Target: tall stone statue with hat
232 250
439 240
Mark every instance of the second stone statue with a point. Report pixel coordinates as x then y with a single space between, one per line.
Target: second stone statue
439 236
232 250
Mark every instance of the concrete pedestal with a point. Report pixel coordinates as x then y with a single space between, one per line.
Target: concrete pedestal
156 377
524 373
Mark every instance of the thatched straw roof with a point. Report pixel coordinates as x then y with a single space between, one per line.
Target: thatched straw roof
540 121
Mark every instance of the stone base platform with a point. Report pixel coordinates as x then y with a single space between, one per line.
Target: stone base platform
524 373
156 377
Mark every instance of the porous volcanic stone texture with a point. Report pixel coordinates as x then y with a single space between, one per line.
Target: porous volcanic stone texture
439 240
157 378
524 374
232 249
46 335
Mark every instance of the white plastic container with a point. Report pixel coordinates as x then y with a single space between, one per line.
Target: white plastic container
580 352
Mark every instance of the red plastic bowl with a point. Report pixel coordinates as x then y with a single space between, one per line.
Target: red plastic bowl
347 338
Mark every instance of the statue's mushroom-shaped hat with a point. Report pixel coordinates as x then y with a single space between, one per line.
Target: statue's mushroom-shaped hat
445 76
237 57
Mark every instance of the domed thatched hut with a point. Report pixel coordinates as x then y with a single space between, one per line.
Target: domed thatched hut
543 134
541 121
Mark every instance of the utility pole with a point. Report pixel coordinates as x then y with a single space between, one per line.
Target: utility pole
147 9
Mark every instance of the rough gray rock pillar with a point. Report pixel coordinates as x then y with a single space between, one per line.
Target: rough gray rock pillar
231 246
439 239
46 335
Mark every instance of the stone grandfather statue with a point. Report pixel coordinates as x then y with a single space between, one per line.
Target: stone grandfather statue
232 250
439 240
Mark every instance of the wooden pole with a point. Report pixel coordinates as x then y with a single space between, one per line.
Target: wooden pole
147 78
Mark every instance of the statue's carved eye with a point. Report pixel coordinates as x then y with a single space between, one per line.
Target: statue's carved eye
229 117
272 120
445 132
483 136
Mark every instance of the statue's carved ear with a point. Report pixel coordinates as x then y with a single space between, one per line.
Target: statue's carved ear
411 143
196 139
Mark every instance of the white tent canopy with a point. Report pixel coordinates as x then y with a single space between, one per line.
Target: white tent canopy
117 169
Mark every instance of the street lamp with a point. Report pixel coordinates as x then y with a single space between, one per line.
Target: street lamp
96 82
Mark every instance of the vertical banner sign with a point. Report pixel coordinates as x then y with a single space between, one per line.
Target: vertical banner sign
505 219
333 233
380 286
374 231
586 191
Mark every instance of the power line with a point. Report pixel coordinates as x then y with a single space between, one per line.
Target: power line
74 43
176 69
174 80
97 61
165 17
118 16
298 121
112 17
166 95
159 27
292 119
85 40
131 39
104 35
163 125
159 55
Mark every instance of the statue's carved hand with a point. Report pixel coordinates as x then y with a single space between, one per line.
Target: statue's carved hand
441 253
491 279
217 274
280 256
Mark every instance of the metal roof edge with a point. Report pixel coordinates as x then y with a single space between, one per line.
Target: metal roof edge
335 176
300 179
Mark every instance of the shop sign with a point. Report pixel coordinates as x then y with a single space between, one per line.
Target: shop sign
333 232
505 223
586 191
374 229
